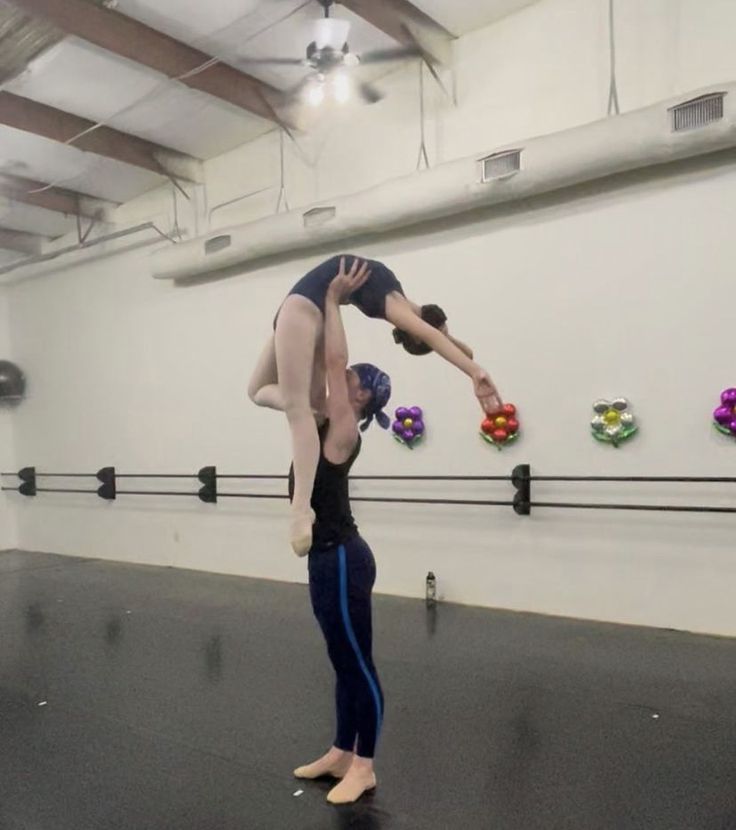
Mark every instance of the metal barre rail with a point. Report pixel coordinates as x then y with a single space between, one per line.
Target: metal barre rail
284 477
521 478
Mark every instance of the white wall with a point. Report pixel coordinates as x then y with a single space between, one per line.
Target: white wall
623 293
8 529
618 291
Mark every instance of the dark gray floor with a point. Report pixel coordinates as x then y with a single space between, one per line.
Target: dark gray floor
183 700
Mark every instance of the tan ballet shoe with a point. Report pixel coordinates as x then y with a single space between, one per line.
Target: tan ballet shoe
326 766
352 787
301 533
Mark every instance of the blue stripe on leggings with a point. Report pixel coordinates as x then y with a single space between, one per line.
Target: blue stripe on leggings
352 638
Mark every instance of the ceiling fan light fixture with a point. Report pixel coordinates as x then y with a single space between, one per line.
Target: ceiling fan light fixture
331 33
316 93
341 87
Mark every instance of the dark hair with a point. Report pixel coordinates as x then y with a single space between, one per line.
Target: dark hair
431 314
378 383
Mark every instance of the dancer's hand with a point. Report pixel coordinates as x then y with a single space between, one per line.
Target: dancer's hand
486 392
347 282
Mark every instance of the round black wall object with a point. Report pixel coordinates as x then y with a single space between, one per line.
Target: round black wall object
12 383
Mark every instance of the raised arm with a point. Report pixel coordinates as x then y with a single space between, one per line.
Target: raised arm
343 429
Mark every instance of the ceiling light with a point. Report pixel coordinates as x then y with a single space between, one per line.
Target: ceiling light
331 32
341 87
316 93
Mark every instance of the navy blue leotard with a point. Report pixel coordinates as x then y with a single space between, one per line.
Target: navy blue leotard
370 298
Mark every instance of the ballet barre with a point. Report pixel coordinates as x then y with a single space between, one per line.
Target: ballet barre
108 479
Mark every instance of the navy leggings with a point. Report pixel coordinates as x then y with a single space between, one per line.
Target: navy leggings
340 584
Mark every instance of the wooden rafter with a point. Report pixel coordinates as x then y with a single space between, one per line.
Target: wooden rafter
39 194
40 119
138 42
20 241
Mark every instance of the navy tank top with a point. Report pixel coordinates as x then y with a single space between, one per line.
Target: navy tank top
334 524
370 298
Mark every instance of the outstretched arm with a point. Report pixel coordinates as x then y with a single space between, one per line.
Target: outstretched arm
400 313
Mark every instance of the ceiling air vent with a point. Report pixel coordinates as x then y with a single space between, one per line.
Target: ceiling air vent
217 244
699 112
500 165
318 216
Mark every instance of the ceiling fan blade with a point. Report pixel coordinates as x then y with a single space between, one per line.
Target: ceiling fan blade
271 61
294 92
382 55
369 93
273 107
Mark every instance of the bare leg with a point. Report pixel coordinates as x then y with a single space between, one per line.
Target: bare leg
297 333
318 391
263 388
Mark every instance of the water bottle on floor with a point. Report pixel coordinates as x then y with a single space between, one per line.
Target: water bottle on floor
431 590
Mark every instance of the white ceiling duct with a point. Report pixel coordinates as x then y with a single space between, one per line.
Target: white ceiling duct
96 247
632 141
635 140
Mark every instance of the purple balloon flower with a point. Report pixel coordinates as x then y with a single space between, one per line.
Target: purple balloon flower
728 397
723 415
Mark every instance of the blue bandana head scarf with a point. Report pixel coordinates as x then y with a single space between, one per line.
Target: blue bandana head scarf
378 383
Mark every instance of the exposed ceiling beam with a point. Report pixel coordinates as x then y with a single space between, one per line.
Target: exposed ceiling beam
134 40
20 241
394 17
57 199
40 119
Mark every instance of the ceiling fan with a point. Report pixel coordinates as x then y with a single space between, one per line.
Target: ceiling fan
329 59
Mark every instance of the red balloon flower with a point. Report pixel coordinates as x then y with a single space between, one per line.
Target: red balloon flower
502 427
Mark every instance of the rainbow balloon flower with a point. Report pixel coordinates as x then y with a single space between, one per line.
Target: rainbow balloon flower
613 422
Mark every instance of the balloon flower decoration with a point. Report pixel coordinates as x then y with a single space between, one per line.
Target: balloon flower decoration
409 426
501 428
613 423
725 415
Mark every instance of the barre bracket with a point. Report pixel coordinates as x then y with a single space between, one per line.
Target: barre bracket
208 492
108 490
